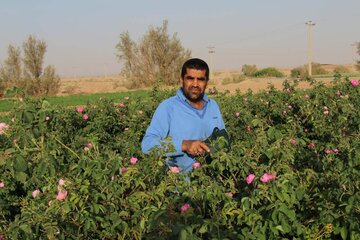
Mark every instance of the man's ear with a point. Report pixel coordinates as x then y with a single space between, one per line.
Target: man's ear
181 81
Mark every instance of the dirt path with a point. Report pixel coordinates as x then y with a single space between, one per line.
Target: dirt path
116 84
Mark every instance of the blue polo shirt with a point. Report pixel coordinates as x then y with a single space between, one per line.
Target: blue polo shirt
175 117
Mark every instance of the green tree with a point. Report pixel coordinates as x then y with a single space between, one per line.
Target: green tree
156 58
269 72
10 72
28 72
249 70
302 72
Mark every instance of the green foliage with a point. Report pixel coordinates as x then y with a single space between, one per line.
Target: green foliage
303 73
341 69
307 140
156 58
234 79
268 72
72 100
10 73
249 70
30 76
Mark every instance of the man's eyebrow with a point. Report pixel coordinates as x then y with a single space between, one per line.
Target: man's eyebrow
199 78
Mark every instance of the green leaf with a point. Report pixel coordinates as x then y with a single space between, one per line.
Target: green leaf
203 229
21 176
20 164
343 232
142 223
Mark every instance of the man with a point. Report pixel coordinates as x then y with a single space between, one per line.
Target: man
187 118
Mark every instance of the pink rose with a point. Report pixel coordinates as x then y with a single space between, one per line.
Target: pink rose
61 195
123 170
112 178
85 117
229 194
133 160
47 118
306 96
86 149
184 208
3 127
335 150
312 145
237 114
89 145
293 142
326 112
354 82
328 151
174 169
2 184
122 104
61 182
289 106
267 177
35 193
196 164
250 178
79 109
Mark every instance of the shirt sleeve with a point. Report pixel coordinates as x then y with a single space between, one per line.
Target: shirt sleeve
158 130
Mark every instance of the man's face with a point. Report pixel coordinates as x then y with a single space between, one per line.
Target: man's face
194 84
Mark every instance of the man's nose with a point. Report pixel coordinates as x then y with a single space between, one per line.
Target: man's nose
195 82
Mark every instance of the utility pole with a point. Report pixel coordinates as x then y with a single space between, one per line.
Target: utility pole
211 51
310 24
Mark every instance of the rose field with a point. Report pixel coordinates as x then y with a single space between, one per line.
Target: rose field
293 170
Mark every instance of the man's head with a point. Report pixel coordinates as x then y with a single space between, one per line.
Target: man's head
194 78
195 63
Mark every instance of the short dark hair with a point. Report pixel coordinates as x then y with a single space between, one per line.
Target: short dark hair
195 63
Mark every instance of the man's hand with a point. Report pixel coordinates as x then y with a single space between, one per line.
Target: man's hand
194 147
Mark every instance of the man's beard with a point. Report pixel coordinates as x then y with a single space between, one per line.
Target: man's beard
193 97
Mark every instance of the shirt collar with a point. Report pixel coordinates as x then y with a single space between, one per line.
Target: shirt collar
181 95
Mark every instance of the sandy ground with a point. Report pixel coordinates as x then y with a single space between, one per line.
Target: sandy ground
87 85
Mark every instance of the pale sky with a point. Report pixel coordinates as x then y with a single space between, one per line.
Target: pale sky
82 34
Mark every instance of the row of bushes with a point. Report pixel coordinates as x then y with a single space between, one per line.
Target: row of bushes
292 171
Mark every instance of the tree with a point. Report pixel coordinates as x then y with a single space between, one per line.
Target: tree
156 58
249 70
27 72
10 73
34 51
303 73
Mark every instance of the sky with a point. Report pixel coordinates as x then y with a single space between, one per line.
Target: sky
81 35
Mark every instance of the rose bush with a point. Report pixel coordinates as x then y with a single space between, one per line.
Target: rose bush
291 173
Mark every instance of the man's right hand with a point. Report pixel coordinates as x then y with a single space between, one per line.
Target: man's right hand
194 147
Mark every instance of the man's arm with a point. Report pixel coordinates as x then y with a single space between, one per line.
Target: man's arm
157 130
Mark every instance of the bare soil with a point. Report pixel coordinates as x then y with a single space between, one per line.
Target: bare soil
117 83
